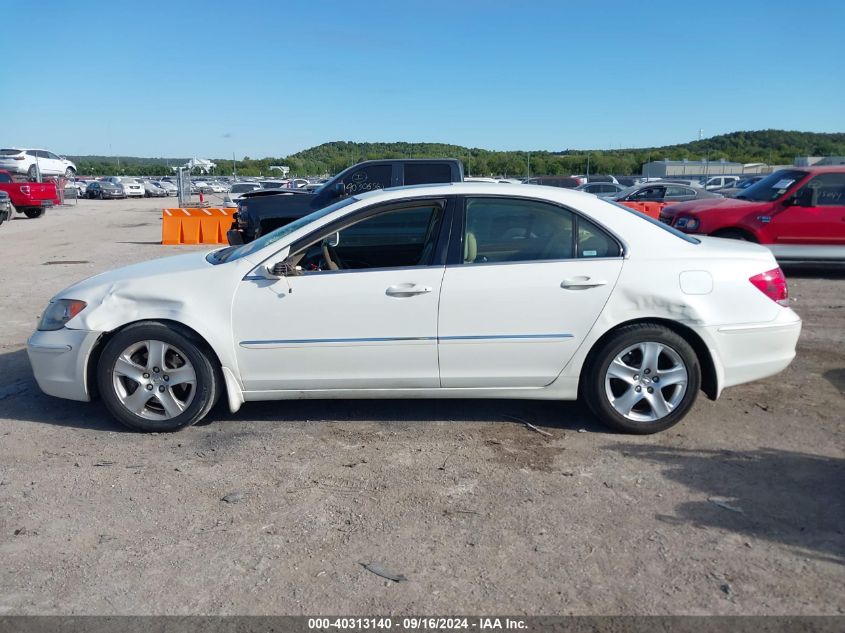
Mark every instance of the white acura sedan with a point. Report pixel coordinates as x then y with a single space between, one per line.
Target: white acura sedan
468 290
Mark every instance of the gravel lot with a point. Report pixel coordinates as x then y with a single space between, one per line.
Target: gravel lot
738 510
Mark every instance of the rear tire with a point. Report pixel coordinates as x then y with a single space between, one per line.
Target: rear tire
147 359
33 213
69 173
643 379
32 173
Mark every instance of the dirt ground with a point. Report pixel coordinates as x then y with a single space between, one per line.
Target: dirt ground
738 510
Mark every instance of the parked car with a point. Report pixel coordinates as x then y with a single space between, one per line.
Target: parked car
102 189
745 183
720 182
152 190
5 207
259 212
564 182
132 187
169 188
689 182
662 192
600 188
422 292
237 190
274 184
798 213
30 198
29 161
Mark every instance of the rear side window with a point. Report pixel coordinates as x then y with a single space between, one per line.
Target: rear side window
828 190
367 178
5 178
504 230
425 173
9 152
594 242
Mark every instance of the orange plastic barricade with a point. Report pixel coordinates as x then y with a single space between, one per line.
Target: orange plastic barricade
651 209
195 226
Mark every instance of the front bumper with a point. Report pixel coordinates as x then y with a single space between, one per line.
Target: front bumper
59 360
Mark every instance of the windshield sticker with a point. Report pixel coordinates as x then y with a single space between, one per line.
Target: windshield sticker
783 184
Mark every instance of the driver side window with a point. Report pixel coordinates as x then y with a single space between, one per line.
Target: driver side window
397 238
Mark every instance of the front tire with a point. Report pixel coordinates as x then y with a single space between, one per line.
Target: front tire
69 173
156 378
642 379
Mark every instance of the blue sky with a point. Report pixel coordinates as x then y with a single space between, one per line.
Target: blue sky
180 78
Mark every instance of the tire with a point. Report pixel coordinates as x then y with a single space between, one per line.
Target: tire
609 390
32 173
33 212
69 173
99 195
126 361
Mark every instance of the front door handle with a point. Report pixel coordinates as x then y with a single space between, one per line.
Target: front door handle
581 283
407 290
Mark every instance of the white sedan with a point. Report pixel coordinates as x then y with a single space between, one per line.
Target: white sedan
468 290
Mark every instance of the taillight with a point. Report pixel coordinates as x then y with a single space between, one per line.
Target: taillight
25 190
20 157
772 283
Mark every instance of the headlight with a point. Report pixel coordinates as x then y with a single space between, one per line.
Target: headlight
60 312
688 224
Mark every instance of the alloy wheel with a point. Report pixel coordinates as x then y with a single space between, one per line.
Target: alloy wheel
154 380
646 381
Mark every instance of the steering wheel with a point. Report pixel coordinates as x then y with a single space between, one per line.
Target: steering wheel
332 258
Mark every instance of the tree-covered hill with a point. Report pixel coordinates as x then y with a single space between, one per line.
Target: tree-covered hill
776 147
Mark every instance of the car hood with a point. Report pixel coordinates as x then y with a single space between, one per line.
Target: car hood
162 288
722 204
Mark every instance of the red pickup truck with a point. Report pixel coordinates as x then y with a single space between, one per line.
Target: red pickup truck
30 198
798 213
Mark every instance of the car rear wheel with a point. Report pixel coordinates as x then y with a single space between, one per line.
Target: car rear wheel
33 213
155 378
32 173
643 379
69 173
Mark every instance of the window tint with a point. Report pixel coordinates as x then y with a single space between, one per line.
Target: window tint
367 179
510 230
594 242
423 173
52 156
9 152
5 178
398 238
828 190
678 192
650 193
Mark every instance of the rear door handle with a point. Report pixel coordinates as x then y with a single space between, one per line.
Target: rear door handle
581 283
407 290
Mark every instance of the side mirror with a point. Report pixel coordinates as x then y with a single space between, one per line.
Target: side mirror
284 269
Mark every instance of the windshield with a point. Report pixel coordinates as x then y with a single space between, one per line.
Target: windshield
236 252
772 186
658 223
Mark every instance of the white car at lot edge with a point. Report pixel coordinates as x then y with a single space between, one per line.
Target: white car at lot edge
29 161
466 290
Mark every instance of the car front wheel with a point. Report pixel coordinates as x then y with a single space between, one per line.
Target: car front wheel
644 378
156 378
